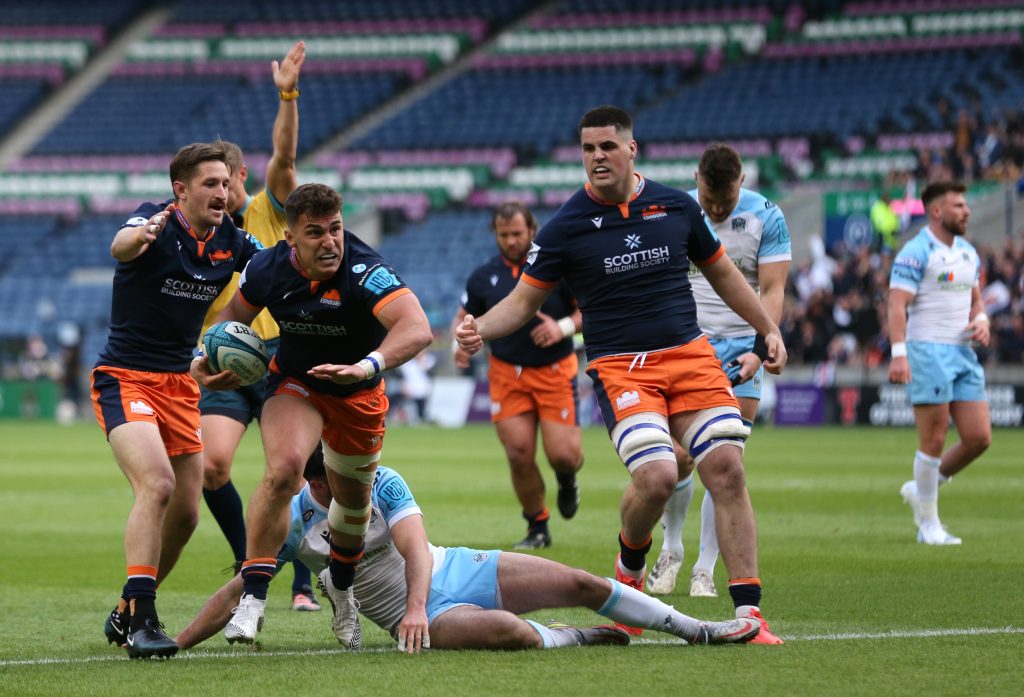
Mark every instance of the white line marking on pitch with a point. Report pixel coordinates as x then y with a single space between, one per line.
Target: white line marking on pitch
200 654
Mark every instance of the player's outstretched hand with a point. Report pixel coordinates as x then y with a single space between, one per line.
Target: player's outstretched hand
224 380
413 632
286 73
777 355
341 374
468 336
156 224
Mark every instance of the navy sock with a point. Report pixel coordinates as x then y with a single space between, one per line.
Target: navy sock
343 565
634 557
256 575
226 506
303 579
537 522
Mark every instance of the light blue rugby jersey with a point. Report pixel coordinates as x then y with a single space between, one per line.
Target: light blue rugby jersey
941 279
380 575
754 233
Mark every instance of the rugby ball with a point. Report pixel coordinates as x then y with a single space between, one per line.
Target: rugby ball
236 347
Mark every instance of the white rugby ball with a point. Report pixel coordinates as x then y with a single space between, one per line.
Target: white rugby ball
236 347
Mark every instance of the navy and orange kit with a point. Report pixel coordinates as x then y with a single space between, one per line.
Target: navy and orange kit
327 322
160 299
627 266
525 377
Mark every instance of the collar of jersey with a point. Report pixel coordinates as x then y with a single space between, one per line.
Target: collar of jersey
939 241
200 243
624 207
516 268
294 259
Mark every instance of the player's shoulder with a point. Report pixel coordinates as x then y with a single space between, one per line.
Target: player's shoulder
485 270
143 212
756 203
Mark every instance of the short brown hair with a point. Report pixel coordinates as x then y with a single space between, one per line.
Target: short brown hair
509 209
938 189
607 115
313 200
232 154
720 166
187 160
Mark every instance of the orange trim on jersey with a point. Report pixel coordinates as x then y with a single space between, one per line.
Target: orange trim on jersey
384 302
712 259
515 268
751 581
537 283
623 207
633 545
141 570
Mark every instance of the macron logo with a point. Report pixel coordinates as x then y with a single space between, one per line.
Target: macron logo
140 407
627 399
597 221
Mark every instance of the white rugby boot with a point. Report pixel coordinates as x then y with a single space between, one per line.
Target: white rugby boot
246 620
345 621
662 579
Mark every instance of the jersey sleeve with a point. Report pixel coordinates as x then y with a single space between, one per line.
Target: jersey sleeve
545 260
142 214
380 284
251 285
473 301
250 246
775 245
392 496
908 268
703 247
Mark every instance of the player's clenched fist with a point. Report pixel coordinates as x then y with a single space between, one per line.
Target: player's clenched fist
468 336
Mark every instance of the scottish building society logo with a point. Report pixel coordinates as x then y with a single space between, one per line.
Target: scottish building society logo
637 259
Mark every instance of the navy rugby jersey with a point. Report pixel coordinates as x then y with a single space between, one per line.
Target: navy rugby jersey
161 296
627 265
488 285
332 321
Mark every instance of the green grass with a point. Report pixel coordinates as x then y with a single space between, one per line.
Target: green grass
837 550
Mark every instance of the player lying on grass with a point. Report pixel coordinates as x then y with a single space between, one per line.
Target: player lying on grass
454 598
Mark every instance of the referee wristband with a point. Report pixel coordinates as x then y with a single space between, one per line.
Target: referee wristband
289 96
373 364
568 326
899 349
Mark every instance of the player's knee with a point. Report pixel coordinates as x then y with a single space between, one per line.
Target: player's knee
284 475
978 443
566 459
723 473
591 591
215 473
641 439
157 488
713 428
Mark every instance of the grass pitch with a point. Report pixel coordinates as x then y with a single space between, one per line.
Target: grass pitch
864 609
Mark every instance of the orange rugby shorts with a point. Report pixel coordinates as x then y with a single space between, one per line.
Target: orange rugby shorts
669 381
353 425
169 400
549 390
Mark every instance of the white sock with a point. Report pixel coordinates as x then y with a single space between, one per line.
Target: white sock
675 515
708 536
926 476
556 637
630 607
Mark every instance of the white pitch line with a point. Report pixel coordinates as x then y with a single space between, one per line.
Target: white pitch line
200 655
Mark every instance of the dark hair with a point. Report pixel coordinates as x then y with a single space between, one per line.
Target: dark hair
939 189
232 154
313 200
720 166
509 209
187 160
315 464
607 115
